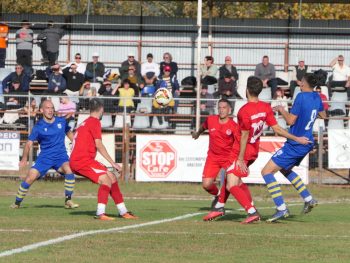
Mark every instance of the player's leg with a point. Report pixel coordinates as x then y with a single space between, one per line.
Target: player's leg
118 199
69 183
298 184
102 196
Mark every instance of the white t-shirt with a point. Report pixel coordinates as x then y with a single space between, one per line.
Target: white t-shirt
341 74
150 67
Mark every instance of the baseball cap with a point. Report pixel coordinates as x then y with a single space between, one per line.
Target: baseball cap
149 55
301 59
131 54
167 68
95 54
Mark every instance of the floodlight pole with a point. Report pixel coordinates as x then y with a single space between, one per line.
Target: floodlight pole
199 47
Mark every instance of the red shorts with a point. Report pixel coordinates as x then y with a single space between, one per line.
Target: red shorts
92 169
233 169
212 166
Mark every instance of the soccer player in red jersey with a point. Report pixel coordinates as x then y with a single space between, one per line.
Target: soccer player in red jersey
88 139
251 120
222 132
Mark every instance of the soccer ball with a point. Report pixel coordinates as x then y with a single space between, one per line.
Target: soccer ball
163 96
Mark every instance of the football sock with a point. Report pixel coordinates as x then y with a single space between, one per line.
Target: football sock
116 194
212 189
242 199
22 191
299 186
101 209
103 193
245 188
69 183
224 194
122 209
275 191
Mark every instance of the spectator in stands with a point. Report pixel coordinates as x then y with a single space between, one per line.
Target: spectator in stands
57 83
267 73
279 99
95 70
24 52
168 61
124 69
170 82
150 70
207 105
323 98
341 75
87 91
107 90
227 88
298 73
74 79
228 67
52 36
67 109
16 83
209 71
134 78
4 31
81 67
30 109
125 94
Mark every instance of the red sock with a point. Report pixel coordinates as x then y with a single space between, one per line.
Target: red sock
116 194
103 193
212 189
241 197
224 193
245 188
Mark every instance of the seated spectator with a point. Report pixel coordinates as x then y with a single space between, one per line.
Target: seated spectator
134 79
67 109
323 98
208 71
168 61
267 73
298 73
279 99
149 70
228 67
95 70
207 105
227 88
86 91
106 90
341 75
57 83
81 67
126 94
73 78
16 83
29 110
125 67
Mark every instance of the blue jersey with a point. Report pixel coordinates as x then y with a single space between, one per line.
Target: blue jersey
306 106
51 137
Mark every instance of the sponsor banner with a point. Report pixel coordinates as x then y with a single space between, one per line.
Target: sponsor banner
9 151
181 159
339 149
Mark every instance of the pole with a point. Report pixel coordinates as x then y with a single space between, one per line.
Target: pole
320 154
88 12
300 3
199 47
210 29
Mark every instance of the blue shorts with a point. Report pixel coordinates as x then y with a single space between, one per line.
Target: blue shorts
43 164
291 155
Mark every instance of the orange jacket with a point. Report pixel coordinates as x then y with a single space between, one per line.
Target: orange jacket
4 30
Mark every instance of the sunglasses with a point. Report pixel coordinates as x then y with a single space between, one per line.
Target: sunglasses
77 57
130 56
18 67
340 60
131 69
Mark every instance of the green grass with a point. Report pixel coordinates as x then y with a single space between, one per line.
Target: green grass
321 236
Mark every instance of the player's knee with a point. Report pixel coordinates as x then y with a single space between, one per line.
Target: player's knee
206 184
112 177
104 179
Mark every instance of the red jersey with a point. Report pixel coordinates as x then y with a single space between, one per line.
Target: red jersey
84 147
252 117
221 136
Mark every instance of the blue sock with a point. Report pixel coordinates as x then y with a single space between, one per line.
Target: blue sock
69 183
275 191
22 191
299 186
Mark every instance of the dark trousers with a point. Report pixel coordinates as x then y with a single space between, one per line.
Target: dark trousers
24 58
52 57
273 84
2 57
332 84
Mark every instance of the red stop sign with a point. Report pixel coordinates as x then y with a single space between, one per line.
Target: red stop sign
158 159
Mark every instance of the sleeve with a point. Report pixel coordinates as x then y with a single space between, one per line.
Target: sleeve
234 73
244 121
6 81
157 71
63 83
273 72
143 71
25 84
270 117
66 128
34 135
95 128
296 106
175 68
257 72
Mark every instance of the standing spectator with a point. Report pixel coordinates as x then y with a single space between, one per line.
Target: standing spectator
126 66
267 73
74 80
57 83
4 31
67 109
323 98
95 69
208 71
298 73
150 70
24 52
168 61
228 88
52 36
81 67
228 67
341 75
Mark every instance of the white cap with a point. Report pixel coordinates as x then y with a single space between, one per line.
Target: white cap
131 54
95 54
301 59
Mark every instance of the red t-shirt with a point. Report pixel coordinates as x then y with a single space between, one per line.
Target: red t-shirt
221 136
84 147
252 117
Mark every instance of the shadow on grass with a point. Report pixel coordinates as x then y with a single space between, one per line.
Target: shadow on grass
49 206
79 212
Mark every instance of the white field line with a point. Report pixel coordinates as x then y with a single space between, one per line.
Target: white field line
92 232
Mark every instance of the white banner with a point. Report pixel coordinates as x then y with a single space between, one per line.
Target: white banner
9 151
338 149
181 159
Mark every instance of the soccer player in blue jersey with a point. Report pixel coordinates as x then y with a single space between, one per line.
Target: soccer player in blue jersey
50 132
307 106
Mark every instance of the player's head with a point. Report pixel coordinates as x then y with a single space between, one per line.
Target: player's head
96 108
309 82
224 108
254 86
47 109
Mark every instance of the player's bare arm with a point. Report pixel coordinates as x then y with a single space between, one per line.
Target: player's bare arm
102 150
282 132
195 135
290 118
25 154
243 144
70 135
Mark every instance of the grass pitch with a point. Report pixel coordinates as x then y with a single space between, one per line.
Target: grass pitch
321 236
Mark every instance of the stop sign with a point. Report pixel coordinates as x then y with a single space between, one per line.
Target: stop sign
158 159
